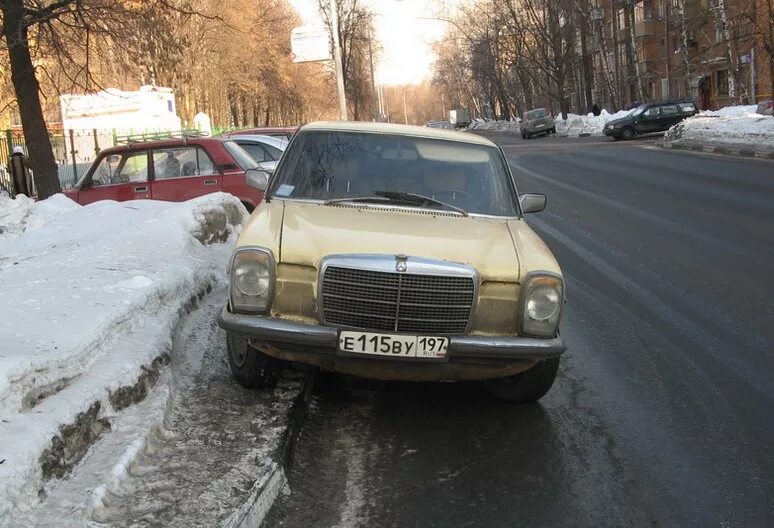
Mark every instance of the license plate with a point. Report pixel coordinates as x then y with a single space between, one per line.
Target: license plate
404 346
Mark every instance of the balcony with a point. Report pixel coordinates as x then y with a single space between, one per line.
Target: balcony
647 28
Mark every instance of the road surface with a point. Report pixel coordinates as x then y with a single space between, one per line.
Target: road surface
663 411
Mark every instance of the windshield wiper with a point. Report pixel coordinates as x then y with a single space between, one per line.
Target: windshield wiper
400 197
418 199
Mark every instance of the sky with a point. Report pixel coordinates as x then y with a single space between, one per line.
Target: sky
406 32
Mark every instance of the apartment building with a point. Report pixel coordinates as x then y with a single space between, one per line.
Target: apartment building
710 51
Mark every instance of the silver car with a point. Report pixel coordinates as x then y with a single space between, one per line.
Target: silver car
537 121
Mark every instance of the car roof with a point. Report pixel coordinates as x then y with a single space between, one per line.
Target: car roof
163 143
261 130
396 129
257 138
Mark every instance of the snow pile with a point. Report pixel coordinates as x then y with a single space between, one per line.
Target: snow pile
90 297
733 111
734 125
574 126
23 213
586 125
506 127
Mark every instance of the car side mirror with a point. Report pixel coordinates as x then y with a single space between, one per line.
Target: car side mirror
257 178
532 203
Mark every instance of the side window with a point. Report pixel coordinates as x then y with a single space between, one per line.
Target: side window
651 112
206 166
181 162
274 152
669 110
106 172
256 151
134 168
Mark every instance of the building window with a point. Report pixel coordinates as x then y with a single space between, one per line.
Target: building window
622 19
722 82
642 12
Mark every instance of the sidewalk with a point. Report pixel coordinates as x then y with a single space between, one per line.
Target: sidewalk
719 147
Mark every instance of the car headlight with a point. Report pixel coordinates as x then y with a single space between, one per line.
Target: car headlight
251 280
542 296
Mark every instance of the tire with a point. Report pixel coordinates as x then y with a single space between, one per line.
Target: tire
523 135
528 135
552 131
627 133
250 368
529 386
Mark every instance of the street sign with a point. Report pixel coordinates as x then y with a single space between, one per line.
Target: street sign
310 44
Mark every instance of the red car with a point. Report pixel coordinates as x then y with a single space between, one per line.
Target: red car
281 132
169 169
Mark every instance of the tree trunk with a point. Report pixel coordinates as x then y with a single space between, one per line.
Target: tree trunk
27 89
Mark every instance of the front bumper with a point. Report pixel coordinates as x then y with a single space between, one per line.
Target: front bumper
325 339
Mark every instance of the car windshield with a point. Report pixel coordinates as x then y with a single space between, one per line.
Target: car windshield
243 159
639 110
537 114
331 166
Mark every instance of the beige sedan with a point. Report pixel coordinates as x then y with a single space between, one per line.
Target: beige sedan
395 252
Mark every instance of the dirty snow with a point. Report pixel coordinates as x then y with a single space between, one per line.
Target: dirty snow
574 126
738 126
90 296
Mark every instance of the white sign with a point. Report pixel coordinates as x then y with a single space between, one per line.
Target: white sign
310 44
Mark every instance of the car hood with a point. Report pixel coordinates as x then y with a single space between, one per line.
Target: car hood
620 121
311 231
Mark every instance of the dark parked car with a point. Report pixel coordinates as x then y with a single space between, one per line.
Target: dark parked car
650 117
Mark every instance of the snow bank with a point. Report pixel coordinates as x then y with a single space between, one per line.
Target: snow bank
89 297
733 111
495 126
734 125
574 126
22 213
586 125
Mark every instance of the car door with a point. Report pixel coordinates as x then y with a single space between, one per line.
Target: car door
649 120
670 115
117 177
183 172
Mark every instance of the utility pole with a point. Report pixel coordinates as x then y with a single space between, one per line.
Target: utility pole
373 82
337 60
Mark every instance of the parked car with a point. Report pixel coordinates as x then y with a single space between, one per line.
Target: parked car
650 117
766 107
283 132
395 252
538 121
173 169
265 150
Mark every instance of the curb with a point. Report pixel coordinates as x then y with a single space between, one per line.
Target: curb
719 149
264 492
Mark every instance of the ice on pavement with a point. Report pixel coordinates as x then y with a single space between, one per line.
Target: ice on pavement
90 297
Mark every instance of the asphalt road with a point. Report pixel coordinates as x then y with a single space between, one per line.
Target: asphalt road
663 411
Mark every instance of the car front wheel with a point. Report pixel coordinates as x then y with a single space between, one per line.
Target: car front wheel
250 367
627 133
529 386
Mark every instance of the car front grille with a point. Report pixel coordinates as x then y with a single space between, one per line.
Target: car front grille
396 302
